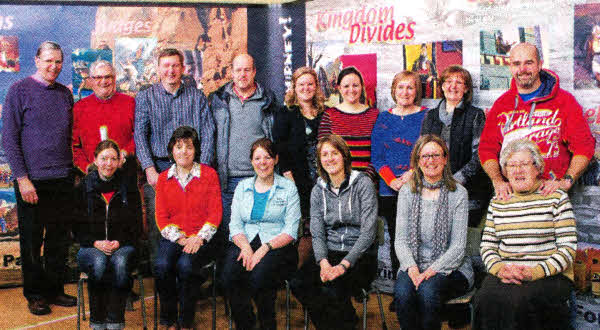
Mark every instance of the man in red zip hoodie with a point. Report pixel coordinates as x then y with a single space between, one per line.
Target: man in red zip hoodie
536 108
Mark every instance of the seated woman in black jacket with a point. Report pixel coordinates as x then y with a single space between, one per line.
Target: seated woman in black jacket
109 213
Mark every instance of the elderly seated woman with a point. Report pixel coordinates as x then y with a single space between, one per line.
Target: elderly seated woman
528 247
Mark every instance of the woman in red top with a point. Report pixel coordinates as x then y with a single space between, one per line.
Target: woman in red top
188 212
353 119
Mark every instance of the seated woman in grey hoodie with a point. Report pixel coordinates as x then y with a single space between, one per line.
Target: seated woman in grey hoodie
343 223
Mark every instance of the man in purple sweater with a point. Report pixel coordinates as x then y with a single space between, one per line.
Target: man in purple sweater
37 141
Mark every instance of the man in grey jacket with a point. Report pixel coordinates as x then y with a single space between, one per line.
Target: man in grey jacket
243 112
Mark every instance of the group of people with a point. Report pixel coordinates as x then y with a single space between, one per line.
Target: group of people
273 193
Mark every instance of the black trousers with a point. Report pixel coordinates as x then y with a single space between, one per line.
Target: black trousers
44 277
540 304
259 284
329 304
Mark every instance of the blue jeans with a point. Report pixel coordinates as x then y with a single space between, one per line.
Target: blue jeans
177 279
109 283
421 308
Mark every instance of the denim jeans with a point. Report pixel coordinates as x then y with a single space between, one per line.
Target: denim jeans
260 284
43 277
177 280
421 308
109 283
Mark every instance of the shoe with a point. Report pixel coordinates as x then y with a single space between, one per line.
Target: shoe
64 300
38 307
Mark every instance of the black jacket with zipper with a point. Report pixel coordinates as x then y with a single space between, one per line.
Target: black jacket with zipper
121 221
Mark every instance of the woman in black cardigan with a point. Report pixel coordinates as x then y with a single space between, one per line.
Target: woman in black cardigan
295 135
108 207
459 124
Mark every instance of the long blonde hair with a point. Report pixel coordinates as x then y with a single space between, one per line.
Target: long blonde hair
319 98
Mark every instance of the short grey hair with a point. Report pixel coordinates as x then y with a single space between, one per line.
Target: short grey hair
522 145
48 45
100 63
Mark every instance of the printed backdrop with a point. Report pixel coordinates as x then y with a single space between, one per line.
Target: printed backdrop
131 37
428 35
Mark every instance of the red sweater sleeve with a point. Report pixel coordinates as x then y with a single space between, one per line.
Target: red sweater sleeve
79 158
215 206
491 140
577 134
130 147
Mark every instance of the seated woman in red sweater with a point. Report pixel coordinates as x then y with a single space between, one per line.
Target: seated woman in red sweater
188 212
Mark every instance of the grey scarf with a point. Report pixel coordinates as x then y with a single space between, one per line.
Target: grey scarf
441 223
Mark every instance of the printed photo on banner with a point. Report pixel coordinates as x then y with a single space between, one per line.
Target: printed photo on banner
208 37
586 53
429 60
328 60
9 54
495 53
82 58
135 64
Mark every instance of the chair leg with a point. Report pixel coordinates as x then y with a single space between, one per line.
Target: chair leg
82 300
472 313
79 299
229 316
383 324
287 305
365 296
155 306
143 300
306 320
214 297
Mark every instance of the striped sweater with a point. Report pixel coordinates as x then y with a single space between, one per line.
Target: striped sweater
532 230
355 129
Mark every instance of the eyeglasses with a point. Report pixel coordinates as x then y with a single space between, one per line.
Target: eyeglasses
431 156
457 82
107 77
514 166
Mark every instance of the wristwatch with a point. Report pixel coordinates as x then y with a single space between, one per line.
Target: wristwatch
269 246
569 178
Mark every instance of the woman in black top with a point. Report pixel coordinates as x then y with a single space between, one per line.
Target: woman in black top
109 225
295 134
459 124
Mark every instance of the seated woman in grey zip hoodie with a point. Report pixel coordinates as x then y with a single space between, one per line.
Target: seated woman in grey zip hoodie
343 224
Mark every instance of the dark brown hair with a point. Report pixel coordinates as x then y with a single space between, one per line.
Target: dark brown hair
266 144
348 71
184 133
107 144
170 52
340 145
466 77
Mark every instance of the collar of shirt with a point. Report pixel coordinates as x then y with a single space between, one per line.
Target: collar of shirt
99 100
177 92
242 98
41 80
194 173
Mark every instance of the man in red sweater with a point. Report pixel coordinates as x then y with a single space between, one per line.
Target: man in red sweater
102 115
536 108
